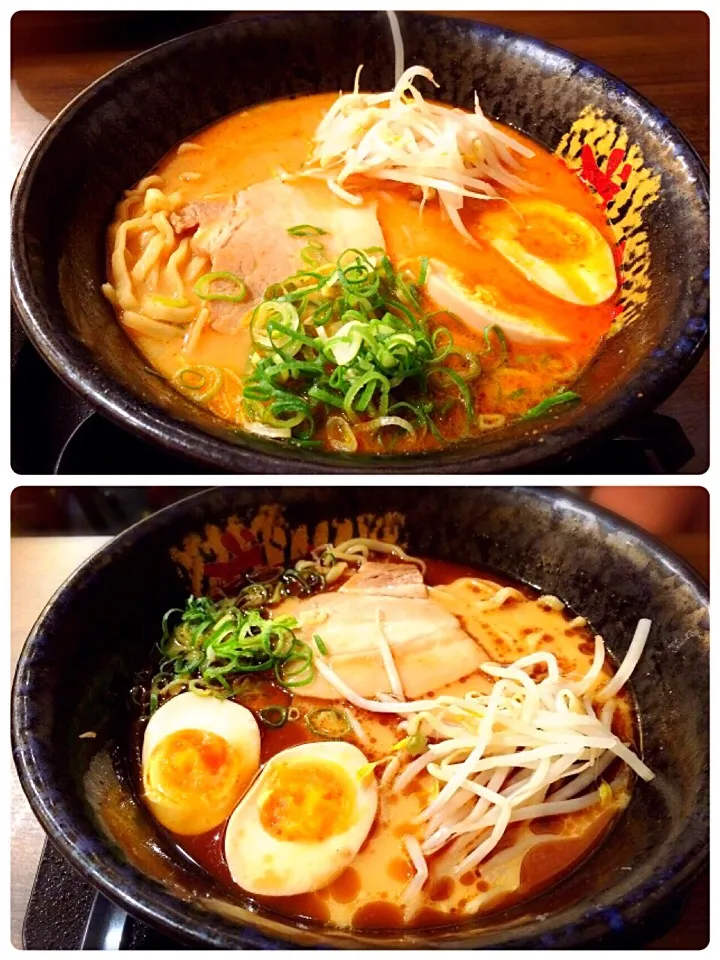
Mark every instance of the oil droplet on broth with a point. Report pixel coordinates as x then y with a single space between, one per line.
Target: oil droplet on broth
346 887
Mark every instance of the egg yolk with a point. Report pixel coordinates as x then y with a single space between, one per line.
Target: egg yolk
552 239
307 801
194 763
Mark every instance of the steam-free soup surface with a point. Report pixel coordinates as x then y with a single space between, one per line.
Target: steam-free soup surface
532 854
508 379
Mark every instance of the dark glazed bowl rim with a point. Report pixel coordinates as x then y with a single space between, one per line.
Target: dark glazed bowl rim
129 888
647 386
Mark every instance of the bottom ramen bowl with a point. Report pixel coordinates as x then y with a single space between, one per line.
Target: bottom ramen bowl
78 664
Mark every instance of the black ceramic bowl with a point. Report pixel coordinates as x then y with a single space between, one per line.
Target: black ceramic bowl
78 665
115 131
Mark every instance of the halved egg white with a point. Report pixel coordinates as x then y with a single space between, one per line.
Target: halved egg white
199 756
473 307
555 248
303 821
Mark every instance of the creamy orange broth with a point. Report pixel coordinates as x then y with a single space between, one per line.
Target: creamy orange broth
251 146
531 855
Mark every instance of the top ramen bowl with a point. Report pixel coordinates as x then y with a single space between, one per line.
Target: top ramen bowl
121 126
78 664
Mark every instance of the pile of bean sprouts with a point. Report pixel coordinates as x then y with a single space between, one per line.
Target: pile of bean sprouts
531 747
398 136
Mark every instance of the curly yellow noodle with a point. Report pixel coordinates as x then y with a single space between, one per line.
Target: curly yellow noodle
149 258
172 270
124 208
154 180
151 328
193 335
162 225
153 307
196 267
157 200
123 284
109 290
153 278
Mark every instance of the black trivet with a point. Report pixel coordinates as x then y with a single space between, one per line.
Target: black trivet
66 913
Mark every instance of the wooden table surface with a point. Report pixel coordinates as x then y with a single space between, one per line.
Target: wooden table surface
664 55
41 564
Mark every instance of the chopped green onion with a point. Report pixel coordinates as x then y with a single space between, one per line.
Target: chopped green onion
368 768
274 716
320 645
373 425
306 230
499 333
263 324
297 670
328 722
415 744
568 396
217 645
202 287
201 382
347 337
312 254
340 435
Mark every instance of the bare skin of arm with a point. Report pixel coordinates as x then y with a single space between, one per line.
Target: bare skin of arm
659 510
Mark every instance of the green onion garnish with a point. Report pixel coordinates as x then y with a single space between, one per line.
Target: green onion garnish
328 722
201 382
313 254
568 396
202 287
216 643
320 645
346 338
415 744
494 329
296 670
306 230
274 716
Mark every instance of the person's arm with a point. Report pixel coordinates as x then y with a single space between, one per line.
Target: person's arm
658 510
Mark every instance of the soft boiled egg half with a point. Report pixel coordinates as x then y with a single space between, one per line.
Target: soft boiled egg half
303 821
555 248
199 756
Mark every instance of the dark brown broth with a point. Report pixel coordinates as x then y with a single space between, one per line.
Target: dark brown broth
542 867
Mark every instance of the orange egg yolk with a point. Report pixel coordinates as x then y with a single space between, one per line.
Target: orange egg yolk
551 240
307 801
195 763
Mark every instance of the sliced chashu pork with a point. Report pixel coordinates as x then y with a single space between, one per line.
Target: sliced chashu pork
248 236
387 580
450 293
429 647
